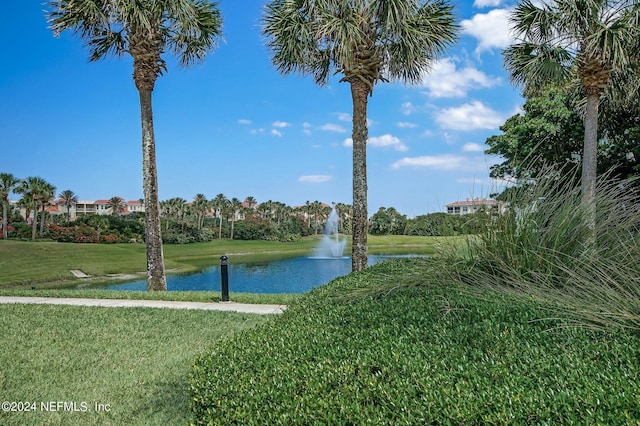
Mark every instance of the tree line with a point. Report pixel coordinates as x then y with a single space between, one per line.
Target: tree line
203 219
181 221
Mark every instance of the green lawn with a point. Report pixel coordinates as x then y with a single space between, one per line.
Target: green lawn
136 360
46 264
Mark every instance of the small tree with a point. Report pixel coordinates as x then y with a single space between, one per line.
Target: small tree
117 206
69 197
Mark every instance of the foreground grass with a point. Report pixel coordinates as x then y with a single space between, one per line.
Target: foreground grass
135 360
47 264
419 352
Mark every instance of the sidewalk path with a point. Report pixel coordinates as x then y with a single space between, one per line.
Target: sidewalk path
127 303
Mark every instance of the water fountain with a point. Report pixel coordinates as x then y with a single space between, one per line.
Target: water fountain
331 246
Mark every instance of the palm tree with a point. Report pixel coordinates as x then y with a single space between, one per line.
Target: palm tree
366 41
143 29
200 206
69 197
564 39
316 209
116 204
251 202
32 189
344 213
219 203
236 208
47 192
8 183
26 205
264 210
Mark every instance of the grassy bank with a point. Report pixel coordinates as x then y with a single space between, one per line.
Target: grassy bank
133 359
421 352
48 264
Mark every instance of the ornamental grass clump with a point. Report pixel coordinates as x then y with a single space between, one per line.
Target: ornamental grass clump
542 246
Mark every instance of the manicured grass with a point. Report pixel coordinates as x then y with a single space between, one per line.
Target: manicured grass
46 264
136 360
419 352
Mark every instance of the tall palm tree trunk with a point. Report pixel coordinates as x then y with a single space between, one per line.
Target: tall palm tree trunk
42 219
156 279
360 96
589 158
34 224
5 221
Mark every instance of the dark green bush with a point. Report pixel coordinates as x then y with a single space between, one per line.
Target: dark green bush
254 229
446 225
418 355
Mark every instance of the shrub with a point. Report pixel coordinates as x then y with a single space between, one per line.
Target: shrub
446 225
543 247
254 229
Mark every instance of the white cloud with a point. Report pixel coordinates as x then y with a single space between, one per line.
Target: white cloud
490 29
407 108
437 162
406 125
472 180
445 162
330 127
472 147
445 81
470 116
244 121
315 178
306 128
281 124
487 3
384 141
275 132
257 131
387 140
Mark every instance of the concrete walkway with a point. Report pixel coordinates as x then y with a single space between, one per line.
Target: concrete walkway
127 303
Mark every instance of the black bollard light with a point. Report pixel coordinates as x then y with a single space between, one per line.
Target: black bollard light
224 278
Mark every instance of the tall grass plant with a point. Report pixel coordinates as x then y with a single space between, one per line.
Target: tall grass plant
543 247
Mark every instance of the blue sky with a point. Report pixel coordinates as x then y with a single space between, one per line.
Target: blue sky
234 125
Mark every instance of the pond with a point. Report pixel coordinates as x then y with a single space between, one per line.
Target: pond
295 275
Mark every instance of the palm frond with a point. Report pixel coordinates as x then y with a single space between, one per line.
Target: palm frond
108 43
290 35
419 40
194 30
533 22
190 28
373 40
85 18
533 66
